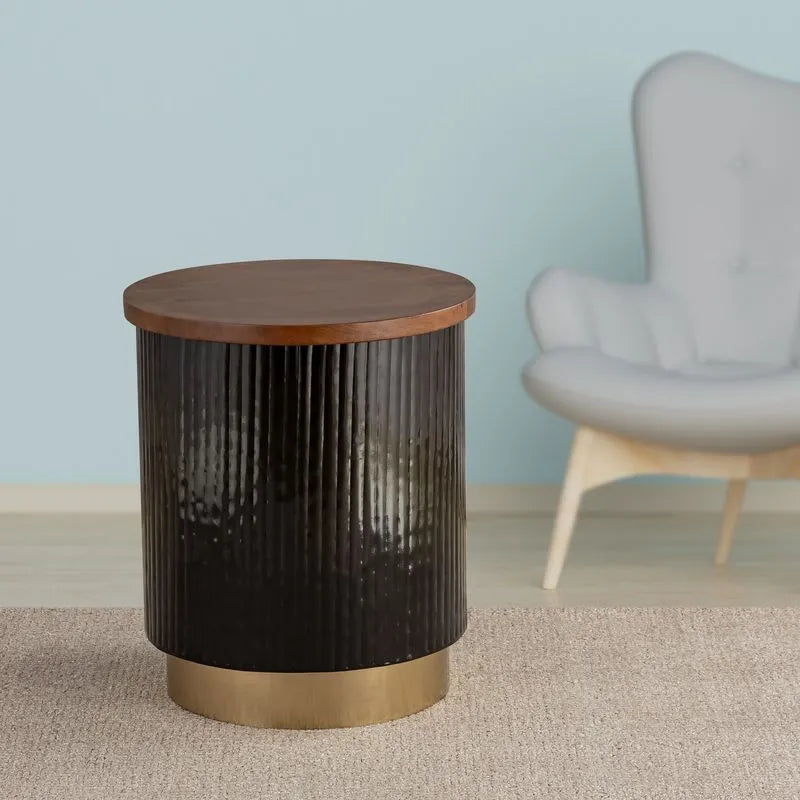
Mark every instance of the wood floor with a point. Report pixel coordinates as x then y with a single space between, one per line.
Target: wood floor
656 560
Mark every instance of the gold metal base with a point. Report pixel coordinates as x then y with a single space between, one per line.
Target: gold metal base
309 699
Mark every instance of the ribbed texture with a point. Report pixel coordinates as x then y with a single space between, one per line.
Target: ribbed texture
303 507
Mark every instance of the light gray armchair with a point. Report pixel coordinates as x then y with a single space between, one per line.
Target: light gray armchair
696 371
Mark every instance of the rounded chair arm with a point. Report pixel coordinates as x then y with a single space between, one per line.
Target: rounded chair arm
637 322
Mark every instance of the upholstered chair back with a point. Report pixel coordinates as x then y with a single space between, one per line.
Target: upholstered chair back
718 151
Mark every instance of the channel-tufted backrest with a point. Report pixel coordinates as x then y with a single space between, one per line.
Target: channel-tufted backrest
718 150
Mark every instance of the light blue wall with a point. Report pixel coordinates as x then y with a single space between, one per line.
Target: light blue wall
488 138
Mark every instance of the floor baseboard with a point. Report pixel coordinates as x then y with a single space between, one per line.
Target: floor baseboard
64 498
633 498
618 498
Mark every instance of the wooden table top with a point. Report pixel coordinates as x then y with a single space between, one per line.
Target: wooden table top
299 302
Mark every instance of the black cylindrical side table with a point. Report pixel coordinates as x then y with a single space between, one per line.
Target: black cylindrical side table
301 441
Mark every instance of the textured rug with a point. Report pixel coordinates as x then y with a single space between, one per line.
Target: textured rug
545 703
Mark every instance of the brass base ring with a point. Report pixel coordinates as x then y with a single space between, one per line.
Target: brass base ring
309 699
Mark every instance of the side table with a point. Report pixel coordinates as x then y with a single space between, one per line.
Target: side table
302 471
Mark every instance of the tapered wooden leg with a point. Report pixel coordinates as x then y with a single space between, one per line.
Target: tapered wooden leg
568 507
733 505
599 457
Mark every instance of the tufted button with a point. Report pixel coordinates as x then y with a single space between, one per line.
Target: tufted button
740 265
740 162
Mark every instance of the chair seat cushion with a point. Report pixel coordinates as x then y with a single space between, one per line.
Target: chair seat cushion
727 407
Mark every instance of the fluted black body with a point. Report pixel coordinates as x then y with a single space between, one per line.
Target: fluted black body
303 506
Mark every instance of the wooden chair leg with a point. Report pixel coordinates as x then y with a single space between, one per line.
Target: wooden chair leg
567 507
599 457
734 498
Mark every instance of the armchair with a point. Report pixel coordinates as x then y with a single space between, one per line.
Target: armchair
694 372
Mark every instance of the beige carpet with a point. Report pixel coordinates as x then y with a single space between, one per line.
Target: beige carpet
545 703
